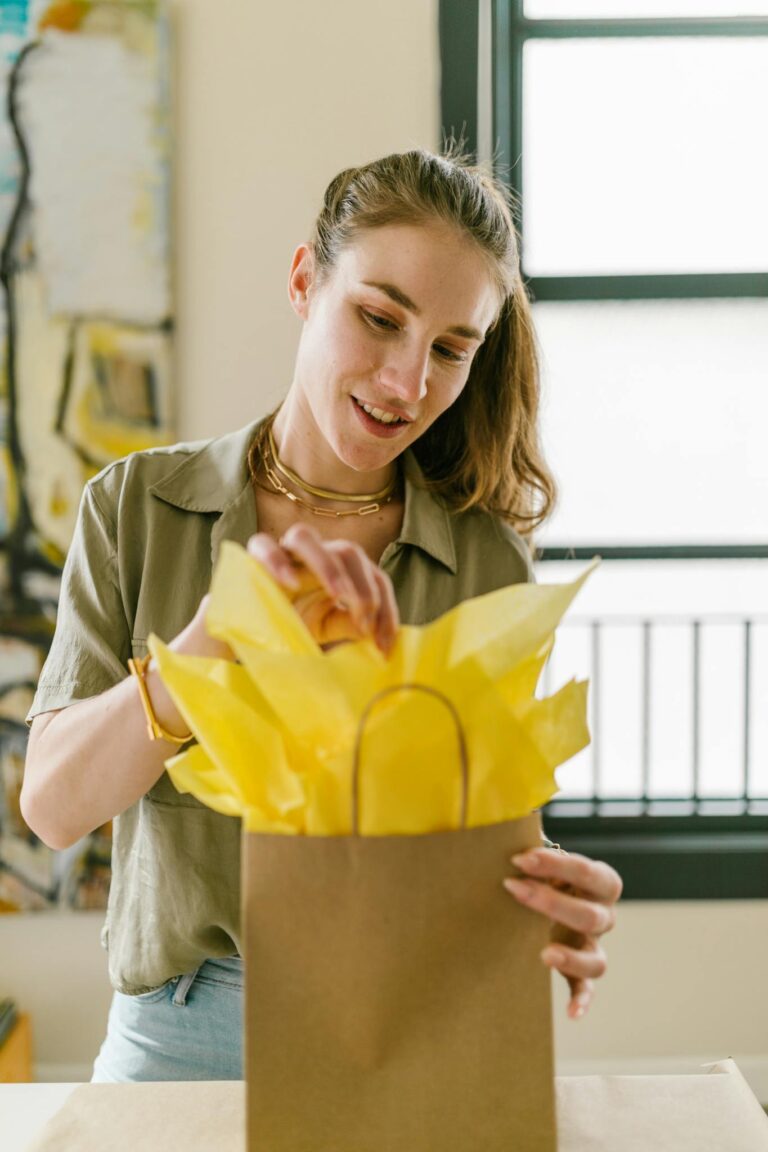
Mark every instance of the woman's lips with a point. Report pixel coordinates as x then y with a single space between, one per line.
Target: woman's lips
374 426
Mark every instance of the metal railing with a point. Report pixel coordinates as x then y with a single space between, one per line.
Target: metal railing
738 668
644 713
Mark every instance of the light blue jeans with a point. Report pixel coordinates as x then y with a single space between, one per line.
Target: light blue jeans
189 1029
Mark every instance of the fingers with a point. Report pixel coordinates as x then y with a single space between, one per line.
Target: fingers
358 597
388 619
363 600
575 912
581 998
586 963
302 562
591 878
578 895
275 559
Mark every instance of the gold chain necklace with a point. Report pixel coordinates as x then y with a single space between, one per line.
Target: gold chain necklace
366 510
324 493
376 500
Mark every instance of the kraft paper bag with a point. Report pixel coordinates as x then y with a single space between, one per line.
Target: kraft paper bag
395 998
395 995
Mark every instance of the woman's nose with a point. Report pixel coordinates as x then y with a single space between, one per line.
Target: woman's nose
405 375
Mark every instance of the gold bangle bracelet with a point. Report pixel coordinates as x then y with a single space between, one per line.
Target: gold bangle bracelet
155 730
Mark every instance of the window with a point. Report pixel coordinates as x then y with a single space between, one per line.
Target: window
630 131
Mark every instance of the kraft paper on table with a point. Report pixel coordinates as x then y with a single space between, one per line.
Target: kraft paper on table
395 996
714 1112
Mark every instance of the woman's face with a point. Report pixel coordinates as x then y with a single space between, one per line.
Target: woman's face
389 336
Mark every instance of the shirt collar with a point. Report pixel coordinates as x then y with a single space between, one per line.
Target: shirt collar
426 521
214 476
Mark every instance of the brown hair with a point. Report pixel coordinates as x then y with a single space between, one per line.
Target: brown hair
484 450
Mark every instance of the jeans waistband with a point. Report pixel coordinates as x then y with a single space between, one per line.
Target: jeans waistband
221 970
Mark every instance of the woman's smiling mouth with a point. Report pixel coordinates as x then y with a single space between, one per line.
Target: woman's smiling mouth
378 420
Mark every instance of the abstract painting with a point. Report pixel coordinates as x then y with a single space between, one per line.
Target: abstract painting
85 341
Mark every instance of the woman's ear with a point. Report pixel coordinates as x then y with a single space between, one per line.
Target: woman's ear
301 279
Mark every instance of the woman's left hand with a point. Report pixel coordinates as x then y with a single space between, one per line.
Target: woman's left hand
578 895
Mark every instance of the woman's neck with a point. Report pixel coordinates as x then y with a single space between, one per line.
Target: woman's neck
303 448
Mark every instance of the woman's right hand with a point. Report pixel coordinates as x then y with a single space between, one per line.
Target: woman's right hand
335 587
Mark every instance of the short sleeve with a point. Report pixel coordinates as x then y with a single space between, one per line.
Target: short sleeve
521 548
91 643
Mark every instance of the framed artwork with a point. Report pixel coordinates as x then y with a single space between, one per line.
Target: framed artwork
85 341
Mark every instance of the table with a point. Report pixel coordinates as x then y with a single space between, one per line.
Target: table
25 1109
710 1111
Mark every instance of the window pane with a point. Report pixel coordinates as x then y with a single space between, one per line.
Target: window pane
644 156
620 601
654 420
618 9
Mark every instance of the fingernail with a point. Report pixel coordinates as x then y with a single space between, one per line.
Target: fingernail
528 861
577 1011
519 888
553 956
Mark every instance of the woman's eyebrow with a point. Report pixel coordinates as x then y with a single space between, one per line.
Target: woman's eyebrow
395 294
404 301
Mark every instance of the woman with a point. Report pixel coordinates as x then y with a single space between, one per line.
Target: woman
391 484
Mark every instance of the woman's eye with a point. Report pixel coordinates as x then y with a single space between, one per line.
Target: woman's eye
377 321
449 354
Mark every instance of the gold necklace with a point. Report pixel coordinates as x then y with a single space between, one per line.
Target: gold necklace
276 483
384 494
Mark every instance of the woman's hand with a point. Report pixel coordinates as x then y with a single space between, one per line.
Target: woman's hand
578 895
335 587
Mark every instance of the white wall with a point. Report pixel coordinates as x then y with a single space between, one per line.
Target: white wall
268 111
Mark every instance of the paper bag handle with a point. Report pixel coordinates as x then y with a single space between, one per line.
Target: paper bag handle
359 743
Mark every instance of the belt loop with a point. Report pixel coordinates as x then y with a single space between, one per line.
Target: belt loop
182 988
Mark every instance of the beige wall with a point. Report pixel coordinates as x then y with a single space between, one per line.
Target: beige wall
686 984
267 111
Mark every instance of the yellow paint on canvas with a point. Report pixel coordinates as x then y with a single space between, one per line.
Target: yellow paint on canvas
65 15
8 485
112 440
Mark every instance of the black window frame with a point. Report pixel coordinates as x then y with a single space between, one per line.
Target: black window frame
459 22
710 852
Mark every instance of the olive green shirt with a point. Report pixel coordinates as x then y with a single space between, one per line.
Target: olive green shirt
141 559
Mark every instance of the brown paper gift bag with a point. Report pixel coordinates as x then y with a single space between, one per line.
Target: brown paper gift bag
395 999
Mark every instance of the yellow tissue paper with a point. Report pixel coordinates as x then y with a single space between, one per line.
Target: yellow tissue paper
280 732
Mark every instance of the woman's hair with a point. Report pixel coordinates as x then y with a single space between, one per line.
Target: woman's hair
484 450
